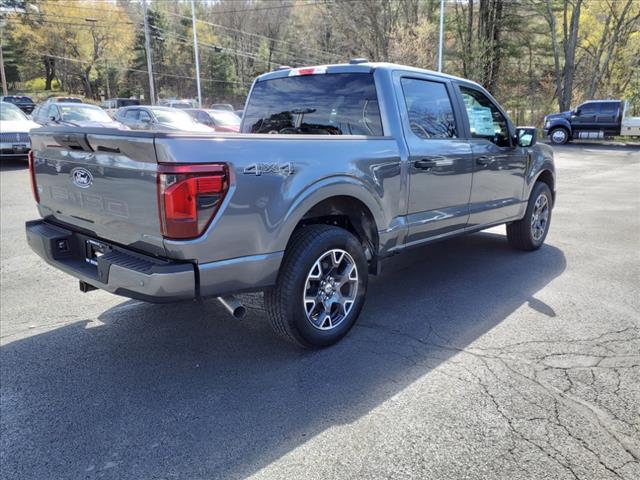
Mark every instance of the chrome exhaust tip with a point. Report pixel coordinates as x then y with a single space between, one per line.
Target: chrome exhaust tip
233 306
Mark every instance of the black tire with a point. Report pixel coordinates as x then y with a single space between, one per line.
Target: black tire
559 136
521 234
284 302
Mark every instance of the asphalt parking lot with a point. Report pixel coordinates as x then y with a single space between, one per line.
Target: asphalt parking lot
470 361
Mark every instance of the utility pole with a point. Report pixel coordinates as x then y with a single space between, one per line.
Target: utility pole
441 43
195 50
147 46
4 77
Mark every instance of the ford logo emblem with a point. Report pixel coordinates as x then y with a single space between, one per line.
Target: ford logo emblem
81 177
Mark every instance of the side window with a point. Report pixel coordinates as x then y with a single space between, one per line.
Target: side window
52 112
203 118
144 116
429 108
132 114
608 108
589 109
485 120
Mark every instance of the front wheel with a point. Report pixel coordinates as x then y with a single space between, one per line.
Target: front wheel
530 232
559 136
320 288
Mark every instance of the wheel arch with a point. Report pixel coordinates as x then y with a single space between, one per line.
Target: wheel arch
349 206
548 177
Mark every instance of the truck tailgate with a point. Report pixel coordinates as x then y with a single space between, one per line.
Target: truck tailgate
102 182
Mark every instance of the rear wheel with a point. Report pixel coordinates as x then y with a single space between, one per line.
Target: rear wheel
321 286
559 136
530 232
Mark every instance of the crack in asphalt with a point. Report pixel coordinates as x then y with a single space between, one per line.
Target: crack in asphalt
599 354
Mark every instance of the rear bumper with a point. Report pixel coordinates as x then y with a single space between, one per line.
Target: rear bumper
130 274
118 271
14 149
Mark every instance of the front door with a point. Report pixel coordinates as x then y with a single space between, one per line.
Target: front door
499 165
440 162
585 117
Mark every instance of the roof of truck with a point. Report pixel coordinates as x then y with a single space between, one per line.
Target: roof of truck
361 67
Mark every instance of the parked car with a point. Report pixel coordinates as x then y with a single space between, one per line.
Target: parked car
77 114
222 106
113 104
159 118
24 103
14 131
592 120
63 99
304 212
219 120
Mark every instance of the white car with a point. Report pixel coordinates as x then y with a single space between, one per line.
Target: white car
14 131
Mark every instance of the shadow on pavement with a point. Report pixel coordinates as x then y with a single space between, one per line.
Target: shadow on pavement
598 145
9 164
184 391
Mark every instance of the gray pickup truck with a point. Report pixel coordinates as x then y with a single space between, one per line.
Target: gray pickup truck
335 168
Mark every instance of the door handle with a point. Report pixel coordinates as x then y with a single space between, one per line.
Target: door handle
425 164
485 160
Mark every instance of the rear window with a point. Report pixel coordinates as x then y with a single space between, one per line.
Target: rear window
325 104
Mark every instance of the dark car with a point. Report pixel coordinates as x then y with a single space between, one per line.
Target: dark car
76 114
220 120
592 120
25 104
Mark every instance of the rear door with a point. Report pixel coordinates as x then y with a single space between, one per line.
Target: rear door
609 117
440 162
499 165
102 183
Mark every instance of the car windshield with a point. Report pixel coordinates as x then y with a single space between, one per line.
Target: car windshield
10 113
83 113
322 104
174 117
18 100
224 117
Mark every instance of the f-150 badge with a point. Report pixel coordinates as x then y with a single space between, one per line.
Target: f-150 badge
257 169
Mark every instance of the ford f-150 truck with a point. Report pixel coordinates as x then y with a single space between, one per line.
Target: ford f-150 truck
335 168
592 120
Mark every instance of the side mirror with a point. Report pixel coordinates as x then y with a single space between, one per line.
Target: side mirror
526 136
52 118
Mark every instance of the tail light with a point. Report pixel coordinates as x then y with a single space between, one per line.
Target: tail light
189 197
32 176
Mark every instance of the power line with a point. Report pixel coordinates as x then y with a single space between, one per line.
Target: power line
254 34
75 60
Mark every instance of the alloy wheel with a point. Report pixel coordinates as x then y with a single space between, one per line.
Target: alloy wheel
330 289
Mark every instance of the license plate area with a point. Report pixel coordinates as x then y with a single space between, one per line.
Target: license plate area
20 147
94 250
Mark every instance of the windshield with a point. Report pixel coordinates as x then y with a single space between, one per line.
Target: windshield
10 113
175 117
83 114
325 104
18 100
224 117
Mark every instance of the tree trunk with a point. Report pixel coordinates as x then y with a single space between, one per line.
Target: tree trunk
570 44
86 82
49 71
